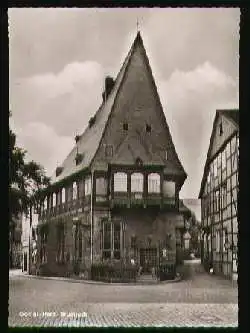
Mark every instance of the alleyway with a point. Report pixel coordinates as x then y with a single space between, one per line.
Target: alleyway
213 300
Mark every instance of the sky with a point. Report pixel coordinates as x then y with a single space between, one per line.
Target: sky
59 58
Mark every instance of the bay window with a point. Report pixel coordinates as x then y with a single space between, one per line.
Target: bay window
120 182
137 182
154 182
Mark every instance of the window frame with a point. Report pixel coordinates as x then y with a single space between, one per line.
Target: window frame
118 179
154 188
137 182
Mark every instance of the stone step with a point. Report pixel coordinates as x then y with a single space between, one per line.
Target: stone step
147 279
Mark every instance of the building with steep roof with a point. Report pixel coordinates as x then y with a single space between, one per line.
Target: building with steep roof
116 195
219 195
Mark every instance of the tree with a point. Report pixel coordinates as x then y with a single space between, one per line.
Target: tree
26 181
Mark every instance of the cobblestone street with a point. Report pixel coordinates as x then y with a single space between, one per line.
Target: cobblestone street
203 301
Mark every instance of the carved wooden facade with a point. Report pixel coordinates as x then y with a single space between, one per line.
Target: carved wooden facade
121 200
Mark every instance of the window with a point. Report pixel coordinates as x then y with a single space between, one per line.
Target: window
120 182
43 249
223 159
215 167
208 178
137 182
45 203
60 242
75 191
81 188
148 128
107 244
58 198
78 242
217 200
125 126
228 151
154 183
101 186
220 129
217 241
63 195
109 151
54 200
111 240
224 196
169 189
87 186
166 155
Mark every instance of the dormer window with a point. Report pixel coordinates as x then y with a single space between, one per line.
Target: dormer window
79 158
148 128
109 151
220 129
125 126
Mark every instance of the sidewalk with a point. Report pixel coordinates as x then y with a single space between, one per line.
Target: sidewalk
16 273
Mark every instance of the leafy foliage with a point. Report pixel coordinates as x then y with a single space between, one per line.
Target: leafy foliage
26 180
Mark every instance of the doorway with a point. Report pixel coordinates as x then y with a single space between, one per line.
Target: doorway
148 259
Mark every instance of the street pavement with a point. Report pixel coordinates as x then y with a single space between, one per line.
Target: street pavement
203 300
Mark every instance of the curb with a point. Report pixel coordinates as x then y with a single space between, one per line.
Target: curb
177 279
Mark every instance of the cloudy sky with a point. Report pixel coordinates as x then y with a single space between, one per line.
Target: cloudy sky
59 58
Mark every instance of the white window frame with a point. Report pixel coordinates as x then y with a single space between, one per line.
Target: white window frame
154 183
120 182
75 190
63 195
137 180
54 199
87 186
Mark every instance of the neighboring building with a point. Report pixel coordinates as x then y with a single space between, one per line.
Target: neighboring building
219 193
191 209
116 195
29 241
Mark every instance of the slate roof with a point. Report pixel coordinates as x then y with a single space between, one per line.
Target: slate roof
89 141
233 116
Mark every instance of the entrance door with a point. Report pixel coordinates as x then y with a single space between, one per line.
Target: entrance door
25 262
148 259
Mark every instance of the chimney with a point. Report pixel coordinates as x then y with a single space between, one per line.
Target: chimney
109 84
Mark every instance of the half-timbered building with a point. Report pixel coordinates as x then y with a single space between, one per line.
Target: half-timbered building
219 196
116 195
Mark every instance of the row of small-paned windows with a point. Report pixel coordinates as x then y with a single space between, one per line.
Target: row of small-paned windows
120 185
220 161
137 180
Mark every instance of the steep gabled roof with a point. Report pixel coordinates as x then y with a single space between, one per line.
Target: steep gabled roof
90 140
233 116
